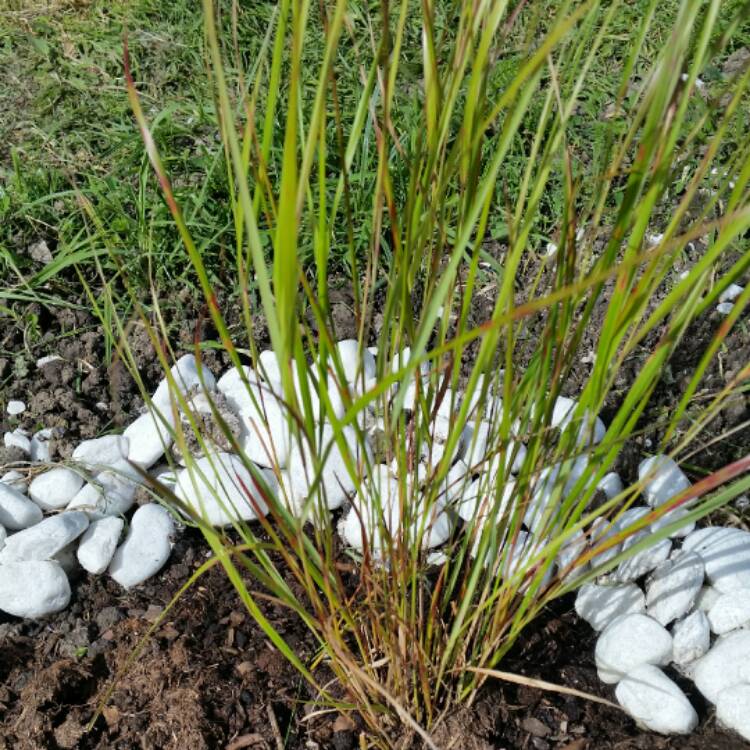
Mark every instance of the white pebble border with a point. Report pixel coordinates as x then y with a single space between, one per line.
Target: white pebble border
683 602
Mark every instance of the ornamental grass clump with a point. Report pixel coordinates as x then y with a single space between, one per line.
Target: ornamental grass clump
432 493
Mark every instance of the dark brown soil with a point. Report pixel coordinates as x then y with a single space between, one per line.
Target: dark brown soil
208 678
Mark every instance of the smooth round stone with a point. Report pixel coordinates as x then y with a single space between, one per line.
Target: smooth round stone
733 709
15 408
17 439
265 436
40 446
611 485
353 363
628 642
98 544
336 484
45 539
368 517
730 611
601 531
55 488
476 443
269 366
726 555
217 490
111 493
589 433
600 605
187 374
731 293
673 516
691 638
16 510
15 479
663 479
655 702
479 501
672 590
33 588
647 559
706 598
724 665
232 378
567 556
101 453
149 437
146 548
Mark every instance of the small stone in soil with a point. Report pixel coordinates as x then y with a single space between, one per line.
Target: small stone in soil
15 408
33 588
733 709
655 702
98 544
17 439
691 638
726 555
55 488
628 642
46 538
101 453
16 510
600 605
724 665
146 547
730 611
663 479
675 584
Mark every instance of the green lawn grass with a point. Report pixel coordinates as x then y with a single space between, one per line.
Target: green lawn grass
66 128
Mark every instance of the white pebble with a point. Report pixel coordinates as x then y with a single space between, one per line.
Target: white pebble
149 437
233 378
187 374
101 453
706 598
110 493
611 485
655 702
40 449
16 510
42 361
731 293
724 665
673 516
628 642
725 308
98 544
17 439
15 408
336 484
641 562
217 488
269 366
600 605
730 611
352 362
55 488
672 591
33 588
691 638
265 436
663 479
146 548
726 555
45 539
733 709
14 479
